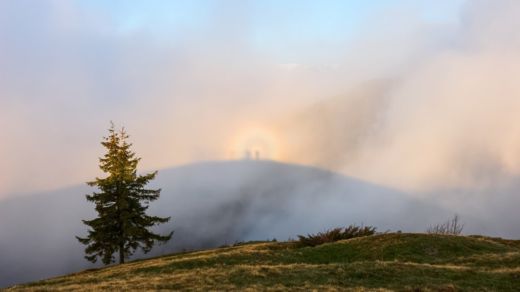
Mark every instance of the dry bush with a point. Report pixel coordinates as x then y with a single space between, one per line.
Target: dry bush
336 234
450 227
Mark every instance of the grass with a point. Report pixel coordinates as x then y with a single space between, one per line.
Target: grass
402 262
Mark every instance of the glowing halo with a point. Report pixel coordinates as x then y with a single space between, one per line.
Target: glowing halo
255 143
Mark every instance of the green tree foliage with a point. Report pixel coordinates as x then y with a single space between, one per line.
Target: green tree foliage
122 225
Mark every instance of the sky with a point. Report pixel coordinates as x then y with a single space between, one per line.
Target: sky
415 95
287 30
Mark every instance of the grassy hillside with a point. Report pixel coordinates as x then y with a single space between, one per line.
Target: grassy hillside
417 262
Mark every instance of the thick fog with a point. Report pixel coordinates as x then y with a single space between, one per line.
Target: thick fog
409 118
438 98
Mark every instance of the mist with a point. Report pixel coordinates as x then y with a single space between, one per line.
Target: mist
72 68
211 204
409 112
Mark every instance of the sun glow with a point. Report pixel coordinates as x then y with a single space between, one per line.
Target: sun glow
256 143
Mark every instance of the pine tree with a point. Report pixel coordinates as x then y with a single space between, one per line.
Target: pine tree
122 225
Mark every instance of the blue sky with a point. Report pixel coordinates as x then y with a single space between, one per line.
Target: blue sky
277 27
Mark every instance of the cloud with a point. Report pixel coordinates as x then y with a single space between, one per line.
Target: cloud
446 120
67 70
443 116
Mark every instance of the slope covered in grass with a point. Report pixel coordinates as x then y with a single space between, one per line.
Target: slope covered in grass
388 261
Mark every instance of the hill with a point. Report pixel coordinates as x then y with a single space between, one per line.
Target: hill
211 204
414 262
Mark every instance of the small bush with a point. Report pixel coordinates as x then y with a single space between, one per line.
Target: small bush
450 227
336 234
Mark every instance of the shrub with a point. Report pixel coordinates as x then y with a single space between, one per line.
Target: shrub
450 227
336 234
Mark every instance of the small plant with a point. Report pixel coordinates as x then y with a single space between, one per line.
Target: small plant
336 234
450 227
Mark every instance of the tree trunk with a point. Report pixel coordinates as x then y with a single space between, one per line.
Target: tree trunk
121 254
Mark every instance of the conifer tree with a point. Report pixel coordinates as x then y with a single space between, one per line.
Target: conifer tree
122 225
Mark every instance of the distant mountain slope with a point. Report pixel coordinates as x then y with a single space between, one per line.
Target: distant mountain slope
402 262
247 200
211 204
